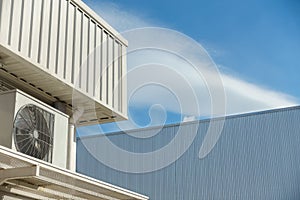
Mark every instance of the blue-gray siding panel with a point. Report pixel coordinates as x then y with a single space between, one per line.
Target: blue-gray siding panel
257 157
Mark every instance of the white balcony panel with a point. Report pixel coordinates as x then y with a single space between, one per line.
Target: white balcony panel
109 75
26 24
103 89
98 59
34 39
123 82
70 43
77 48
65 44
91 59
13 37
5 20
54 9
61 39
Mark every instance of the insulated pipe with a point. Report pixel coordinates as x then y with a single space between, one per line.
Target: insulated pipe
71 156
71 146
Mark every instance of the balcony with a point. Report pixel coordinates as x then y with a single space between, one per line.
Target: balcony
62 51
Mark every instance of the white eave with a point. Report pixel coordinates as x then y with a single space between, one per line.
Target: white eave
23 177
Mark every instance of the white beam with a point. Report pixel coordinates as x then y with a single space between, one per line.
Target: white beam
17 173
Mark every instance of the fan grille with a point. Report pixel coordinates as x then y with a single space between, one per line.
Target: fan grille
33 132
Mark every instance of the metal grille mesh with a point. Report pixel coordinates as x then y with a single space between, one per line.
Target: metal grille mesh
33 132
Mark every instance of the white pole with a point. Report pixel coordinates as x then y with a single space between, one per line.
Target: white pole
71 159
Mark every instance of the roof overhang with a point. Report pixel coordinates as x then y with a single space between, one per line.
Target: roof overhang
23 177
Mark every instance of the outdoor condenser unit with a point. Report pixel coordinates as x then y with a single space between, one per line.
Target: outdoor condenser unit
33 127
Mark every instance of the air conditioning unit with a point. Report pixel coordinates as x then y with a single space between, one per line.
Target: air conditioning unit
33 127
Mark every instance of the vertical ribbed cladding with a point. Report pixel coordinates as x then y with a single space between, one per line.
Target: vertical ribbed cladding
57 37
94 74
113 73
21 26
90 80
107 68
101 62
60 36
110 73
73 48
87 62
77 48
66 40
63 42
53 36
85 52
5 18
120 77
49 33
45 31
35 29
124 81
11 21
1 11
98 62
104 68
41 32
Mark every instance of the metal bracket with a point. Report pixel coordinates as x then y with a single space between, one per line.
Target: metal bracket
17 173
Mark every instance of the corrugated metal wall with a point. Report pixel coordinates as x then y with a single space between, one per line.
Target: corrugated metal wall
257 157
58 36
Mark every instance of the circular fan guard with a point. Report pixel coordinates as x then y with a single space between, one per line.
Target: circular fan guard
31 132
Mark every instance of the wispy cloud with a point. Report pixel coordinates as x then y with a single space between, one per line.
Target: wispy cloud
241 96
118 18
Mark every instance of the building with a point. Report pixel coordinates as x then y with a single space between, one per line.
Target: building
61 66
256 157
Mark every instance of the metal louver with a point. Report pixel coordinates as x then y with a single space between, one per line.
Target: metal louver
33 132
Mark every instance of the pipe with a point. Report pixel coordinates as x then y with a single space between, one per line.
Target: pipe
71 146
71 156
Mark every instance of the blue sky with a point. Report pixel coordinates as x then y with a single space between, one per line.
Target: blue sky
255 42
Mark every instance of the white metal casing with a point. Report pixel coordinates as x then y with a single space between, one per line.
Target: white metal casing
11 102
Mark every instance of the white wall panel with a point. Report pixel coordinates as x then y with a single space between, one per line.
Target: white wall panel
103 88
26 24
70 42
34 38
53 36
5 20
44 42
124 81
15 26
115 74
109 78
84 53
91 59
1 5
77 48
120 77
61 39
98 60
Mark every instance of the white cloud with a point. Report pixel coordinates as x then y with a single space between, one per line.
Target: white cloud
178 71
119 19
